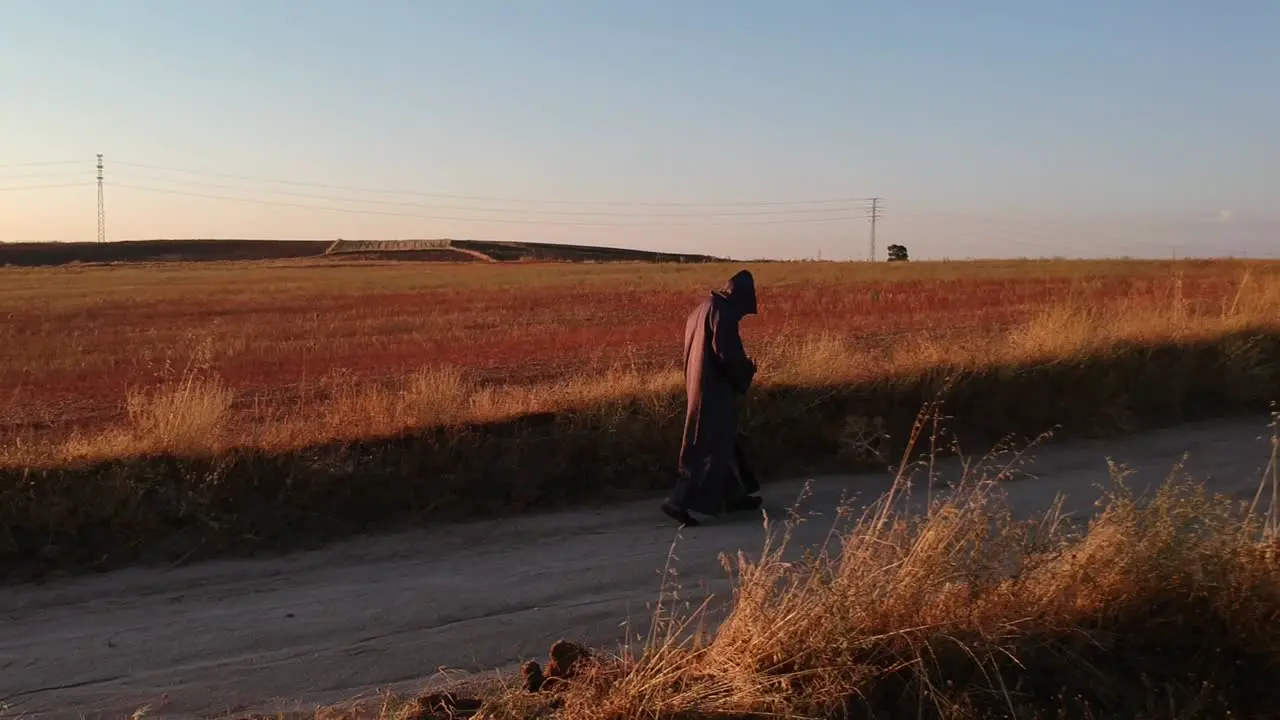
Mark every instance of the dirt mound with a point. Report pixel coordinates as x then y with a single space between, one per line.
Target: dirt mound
443 255
556 252
47 254
565 660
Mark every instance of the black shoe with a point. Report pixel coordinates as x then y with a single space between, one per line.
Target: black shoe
679 514
746 502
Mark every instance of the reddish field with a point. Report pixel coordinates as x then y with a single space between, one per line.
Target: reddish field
75 340
210 408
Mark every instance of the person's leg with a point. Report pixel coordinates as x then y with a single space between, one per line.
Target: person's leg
679 514
674 505
746 502
747 485
750 483
698 489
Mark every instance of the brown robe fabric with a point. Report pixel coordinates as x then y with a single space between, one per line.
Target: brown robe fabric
712 472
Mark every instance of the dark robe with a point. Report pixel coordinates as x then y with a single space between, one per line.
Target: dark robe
712 469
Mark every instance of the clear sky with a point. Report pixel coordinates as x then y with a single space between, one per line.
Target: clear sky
1139 127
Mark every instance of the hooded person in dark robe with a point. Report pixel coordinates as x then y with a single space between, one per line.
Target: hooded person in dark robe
713 477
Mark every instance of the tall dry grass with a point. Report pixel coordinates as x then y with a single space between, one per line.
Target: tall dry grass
1061 332
1160 607
186 412
955 608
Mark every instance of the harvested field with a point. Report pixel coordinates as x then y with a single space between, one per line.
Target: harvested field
244 405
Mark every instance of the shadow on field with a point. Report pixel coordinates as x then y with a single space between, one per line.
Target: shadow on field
164 508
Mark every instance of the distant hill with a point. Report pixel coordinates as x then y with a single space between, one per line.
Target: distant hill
40 254
443 250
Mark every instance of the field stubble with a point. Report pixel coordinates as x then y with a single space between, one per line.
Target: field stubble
253 405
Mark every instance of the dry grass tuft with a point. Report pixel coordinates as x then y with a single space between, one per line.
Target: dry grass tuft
183 418
451 397
1166 606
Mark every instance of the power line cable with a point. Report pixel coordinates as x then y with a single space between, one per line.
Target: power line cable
520 211
40 175
510 221
1020 238
1011 226
45 163
482 198
44 187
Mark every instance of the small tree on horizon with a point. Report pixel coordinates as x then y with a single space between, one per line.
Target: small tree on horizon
897 253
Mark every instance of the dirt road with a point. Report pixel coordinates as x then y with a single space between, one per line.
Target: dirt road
285 633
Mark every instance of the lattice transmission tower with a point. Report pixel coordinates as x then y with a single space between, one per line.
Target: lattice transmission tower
874 215
102 208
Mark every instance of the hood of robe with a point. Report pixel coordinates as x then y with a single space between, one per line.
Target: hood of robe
740 292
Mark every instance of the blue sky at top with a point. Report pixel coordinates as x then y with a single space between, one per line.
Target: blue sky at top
990 128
